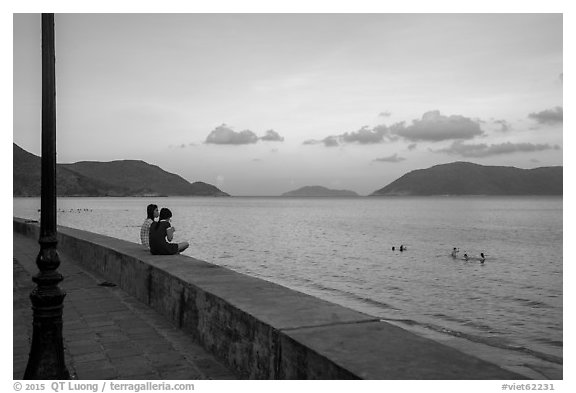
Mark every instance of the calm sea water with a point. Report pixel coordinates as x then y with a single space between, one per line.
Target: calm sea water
510 307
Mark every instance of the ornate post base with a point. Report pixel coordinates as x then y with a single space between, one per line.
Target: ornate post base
46 359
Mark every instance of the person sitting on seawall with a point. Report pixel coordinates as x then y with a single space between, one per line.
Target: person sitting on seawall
161 233
152 214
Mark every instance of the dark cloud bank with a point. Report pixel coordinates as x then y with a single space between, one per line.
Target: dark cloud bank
549 116
224 135
433 127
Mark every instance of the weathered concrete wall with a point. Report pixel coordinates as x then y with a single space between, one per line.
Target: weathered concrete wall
264 330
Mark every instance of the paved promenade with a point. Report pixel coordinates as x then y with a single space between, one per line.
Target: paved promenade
107 333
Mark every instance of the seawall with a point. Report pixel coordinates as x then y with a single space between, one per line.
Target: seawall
263 330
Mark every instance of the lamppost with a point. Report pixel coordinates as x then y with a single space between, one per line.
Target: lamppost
46 358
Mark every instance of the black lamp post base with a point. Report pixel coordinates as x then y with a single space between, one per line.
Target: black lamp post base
46 359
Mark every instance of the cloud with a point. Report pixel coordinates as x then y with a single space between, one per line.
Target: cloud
412 146
272 136
329 141
384 114
363 136
432 127
366 135
223 135
504 125
435 127
392 158
483 150
548 116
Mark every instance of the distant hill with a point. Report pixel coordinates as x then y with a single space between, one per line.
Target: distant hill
319 191
93 178
465 178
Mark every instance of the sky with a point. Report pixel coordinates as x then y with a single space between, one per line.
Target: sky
262 104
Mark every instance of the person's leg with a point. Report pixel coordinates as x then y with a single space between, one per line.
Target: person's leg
182 246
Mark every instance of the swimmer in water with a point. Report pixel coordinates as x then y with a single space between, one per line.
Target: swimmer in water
402 248
393 248
482 257
466 257
454 252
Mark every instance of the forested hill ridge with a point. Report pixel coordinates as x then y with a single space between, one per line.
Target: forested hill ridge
319 191
94 178
465 178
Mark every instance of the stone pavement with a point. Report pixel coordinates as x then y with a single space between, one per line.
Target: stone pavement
107 333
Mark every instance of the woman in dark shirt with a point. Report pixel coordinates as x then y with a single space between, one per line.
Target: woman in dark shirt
161 233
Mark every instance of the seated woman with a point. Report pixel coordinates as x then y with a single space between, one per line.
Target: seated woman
161 233
152 213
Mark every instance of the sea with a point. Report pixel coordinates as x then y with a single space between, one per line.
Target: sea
507 310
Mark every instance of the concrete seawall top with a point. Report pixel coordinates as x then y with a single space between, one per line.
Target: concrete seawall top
264 330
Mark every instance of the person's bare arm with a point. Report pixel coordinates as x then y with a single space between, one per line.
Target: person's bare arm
170 233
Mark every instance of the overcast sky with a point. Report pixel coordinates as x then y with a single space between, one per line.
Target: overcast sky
261 104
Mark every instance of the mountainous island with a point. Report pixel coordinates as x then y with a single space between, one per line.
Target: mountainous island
465 178
319 191
138 178
94 178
